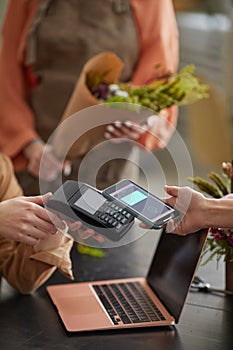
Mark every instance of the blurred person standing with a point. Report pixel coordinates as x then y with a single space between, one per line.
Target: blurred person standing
45 44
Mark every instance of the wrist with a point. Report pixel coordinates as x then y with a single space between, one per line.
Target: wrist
209 212
215 210
219 213
203 215
36 140
28 147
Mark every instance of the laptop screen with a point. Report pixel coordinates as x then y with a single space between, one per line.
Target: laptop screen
173 268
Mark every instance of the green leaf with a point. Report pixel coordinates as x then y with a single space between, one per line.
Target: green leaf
216 178
95 252
206 186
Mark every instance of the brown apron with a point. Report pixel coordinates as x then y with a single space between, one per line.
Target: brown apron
62 37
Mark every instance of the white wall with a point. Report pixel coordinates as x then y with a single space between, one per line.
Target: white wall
206 41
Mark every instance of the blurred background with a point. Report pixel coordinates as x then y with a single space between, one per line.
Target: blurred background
206 127
206 40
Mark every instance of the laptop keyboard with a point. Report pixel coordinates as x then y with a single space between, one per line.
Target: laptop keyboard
128 303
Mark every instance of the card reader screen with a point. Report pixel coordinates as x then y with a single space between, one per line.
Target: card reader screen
90 201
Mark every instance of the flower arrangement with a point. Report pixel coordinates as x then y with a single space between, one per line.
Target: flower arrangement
220 240
181 88
99 83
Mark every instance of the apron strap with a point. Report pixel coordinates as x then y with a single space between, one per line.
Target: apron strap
30 55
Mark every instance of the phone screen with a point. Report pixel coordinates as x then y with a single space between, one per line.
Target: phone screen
141 201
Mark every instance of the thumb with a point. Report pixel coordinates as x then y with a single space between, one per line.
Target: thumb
172 190
170 227
40 200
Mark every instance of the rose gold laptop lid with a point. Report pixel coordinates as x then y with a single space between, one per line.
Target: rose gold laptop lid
167 284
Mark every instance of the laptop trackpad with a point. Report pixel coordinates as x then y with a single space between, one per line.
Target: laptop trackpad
81 305
82 313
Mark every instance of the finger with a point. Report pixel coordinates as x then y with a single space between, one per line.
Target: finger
175 228
43 214
142 225
113 139
171 201
40 200
107 135
90 232
126 131
51 166
32 232
46 226
170 227
54 162
39 233
56 220
74 226
115 132
151 121
99 238
131 134
29 240
40 212
86 233
67 168
131 130
50 174
32 169
139 129
172 190
50 160
46 197
121 130
41 219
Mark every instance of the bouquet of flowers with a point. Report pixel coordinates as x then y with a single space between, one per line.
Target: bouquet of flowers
182 88
220 240
99 83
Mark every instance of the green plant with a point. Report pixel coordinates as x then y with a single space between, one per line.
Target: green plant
220 240
181 88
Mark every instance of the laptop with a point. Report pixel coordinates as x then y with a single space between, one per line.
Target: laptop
156 300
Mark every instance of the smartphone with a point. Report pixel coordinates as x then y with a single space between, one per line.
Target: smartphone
144 205
75 200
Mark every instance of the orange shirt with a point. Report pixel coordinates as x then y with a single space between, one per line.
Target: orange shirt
158 40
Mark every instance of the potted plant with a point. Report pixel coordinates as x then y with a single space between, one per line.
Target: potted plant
220 240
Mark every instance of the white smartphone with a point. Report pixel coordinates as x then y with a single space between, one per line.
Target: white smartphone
144 205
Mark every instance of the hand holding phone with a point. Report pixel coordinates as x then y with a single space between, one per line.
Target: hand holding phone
148 208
